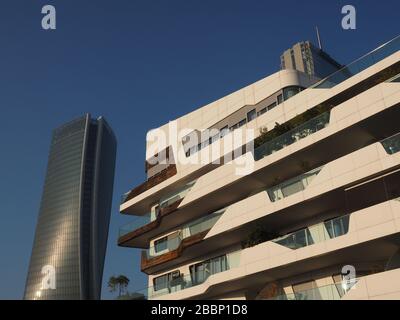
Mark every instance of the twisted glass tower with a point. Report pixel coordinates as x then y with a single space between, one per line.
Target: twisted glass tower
71 234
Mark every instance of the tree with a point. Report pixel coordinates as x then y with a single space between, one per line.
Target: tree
119 284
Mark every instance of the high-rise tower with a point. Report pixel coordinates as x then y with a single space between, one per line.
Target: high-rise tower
71 234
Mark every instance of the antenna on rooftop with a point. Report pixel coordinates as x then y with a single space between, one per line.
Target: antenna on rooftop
318 38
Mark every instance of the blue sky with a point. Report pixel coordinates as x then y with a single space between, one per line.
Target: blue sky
139 64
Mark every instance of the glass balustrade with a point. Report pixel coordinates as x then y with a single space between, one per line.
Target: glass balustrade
394 79
200 272
359 65
309 127
136 224
149 217
333 291
292 186
392 144
314 234
173 241
174 282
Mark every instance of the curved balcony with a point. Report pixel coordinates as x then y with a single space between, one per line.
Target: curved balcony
320 232
151 221
334 291
169 251
129 234
304 130
163 175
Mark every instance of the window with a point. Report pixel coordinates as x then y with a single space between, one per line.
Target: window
279 99
262 111
214 138
201 271
306 291
271 106
162 282
292 188
224 131
251 115
241 123
161 244
167 281
293 58
290 92
205 143
338 226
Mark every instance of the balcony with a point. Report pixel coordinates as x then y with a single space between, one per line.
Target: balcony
323 231
151 220
163 175
168 249
292 186
360 64
199 274
329 292
317 233
311 126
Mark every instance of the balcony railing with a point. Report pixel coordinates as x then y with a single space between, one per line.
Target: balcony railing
314 234
360 64
135 224
333 291
150 217
292 186
392 144
200 225
292 136
395 79
163 175
181 281
317 233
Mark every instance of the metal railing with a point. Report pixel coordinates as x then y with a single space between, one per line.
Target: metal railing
359 65
311 126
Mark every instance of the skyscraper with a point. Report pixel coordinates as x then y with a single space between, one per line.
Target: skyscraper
307 58
71 234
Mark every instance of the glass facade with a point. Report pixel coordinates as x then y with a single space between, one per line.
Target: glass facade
72 228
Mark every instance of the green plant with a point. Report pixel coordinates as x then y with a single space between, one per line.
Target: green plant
257 236
281 129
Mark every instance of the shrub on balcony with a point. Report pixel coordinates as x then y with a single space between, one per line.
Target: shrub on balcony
259 235
281 129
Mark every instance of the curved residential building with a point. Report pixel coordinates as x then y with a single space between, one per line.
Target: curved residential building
292 192
72 229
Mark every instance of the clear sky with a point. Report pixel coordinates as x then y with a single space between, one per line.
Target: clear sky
139 64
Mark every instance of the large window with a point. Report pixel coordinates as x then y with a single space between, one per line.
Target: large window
161 244
292 186
306 291
290 92
168 281
201 271
162 282
337 227
251 115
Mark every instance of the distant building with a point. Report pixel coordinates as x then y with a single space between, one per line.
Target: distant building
71 234
305 57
